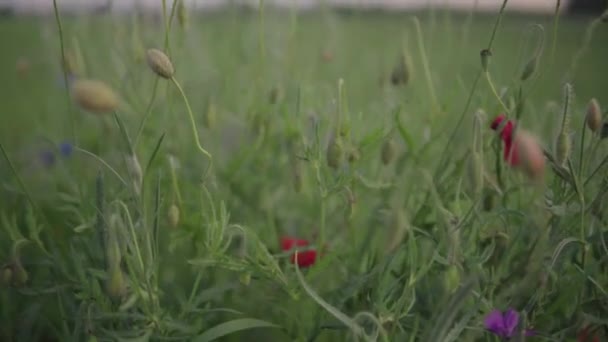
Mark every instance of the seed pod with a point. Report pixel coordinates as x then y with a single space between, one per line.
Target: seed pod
594 116
94 96
210 116
335 153
160 63
485 55
182 14
388 151
115 285
173 216
6 275
475 173
20 275
563 148
529 68
531 155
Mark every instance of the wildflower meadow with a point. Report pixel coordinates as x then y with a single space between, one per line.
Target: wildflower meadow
269 174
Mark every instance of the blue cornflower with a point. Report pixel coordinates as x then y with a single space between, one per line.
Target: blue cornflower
66 149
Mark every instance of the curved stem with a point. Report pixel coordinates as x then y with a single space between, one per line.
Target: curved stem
193 124
491 84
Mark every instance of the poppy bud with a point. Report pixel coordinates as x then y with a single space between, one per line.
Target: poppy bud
160 63
563 147
594 115
94 96
115 285
245 278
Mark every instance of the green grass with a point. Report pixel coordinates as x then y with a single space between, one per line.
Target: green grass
411 253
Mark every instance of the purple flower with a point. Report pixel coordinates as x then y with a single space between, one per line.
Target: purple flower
504 324
66 149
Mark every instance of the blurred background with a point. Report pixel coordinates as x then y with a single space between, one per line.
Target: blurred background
538 6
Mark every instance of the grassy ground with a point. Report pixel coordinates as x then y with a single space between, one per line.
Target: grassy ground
412 242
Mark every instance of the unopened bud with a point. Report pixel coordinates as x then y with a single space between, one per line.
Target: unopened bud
594 116
160 63
115 286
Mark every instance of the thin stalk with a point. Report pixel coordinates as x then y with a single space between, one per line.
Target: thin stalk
425 64
71 116
193 124
168 23
491 84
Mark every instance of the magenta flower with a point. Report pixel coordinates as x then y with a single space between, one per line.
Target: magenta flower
504 324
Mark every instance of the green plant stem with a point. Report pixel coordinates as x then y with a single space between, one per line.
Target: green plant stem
168 24
425 65
555 26
71 115
491 84
583 49
193 124
581 153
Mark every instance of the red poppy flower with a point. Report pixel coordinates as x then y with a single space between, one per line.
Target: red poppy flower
583 336
506 135
305 258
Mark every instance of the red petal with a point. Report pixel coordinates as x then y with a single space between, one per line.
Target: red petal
288 243
305 258
497 121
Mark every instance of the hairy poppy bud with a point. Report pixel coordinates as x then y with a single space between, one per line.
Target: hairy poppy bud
94 96
160 63
594 115
115 285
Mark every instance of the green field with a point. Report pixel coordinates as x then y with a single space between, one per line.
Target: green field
110 232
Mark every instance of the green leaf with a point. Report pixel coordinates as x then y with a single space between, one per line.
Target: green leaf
232 327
